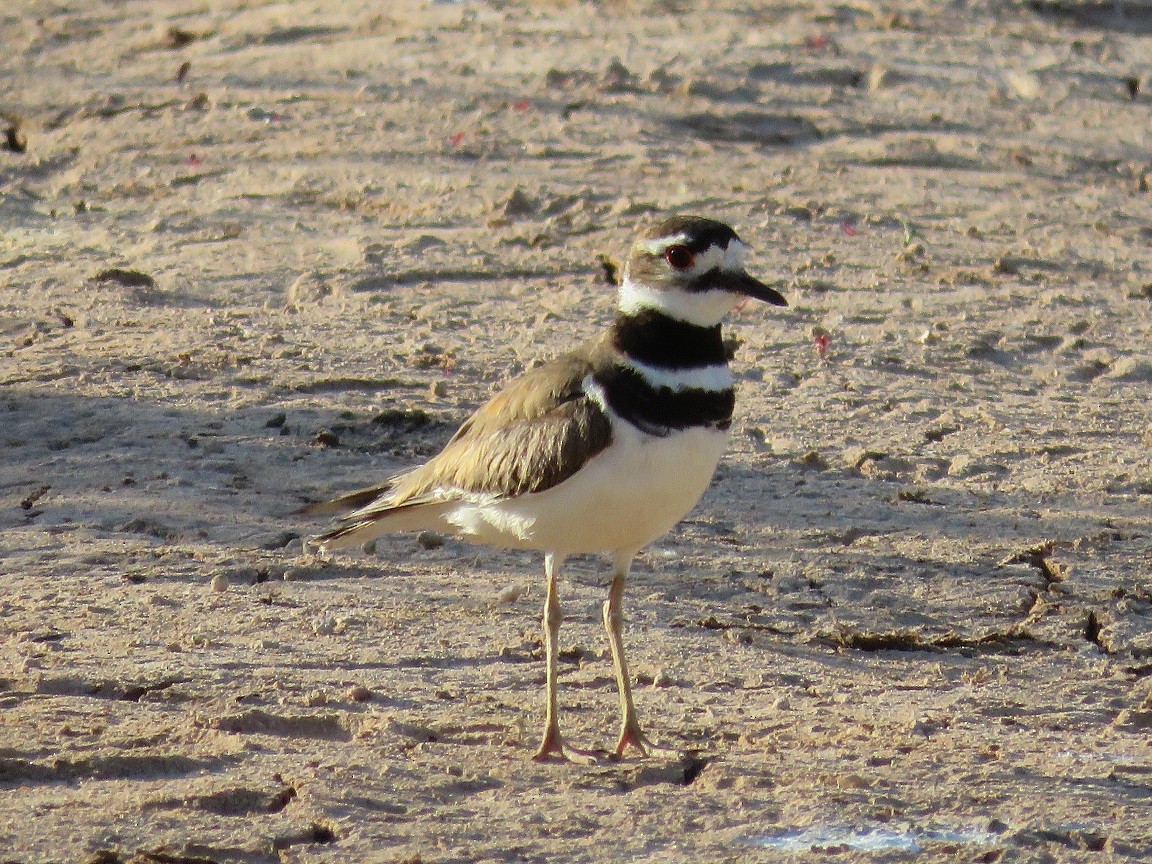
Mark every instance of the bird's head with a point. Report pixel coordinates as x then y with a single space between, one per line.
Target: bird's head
692 269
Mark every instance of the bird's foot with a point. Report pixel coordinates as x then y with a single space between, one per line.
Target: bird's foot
631 735
554 746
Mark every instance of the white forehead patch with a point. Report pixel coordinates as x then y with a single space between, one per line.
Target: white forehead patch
659 245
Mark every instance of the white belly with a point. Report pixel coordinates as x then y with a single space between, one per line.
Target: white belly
621 500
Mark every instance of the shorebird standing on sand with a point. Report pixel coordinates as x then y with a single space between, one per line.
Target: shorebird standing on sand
603 449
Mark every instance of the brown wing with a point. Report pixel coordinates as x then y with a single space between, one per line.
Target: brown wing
535 433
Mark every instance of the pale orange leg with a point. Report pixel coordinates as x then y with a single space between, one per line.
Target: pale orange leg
552 744
630 732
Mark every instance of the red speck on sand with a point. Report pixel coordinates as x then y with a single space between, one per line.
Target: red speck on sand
821 341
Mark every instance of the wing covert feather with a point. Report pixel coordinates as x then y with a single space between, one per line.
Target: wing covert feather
536 433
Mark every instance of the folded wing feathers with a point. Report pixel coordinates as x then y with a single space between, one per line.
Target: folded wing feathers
531 436
516 459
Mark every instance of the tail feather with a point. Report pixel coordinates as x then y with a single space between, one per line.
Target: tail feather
367 513
359 528
347 503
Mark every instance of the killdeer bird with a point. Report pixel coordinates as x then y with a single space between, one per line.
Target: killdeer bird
603 449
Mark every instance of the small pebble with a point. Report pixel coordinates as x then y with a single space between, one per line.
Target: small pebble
15 138
855 456
177 37
430 540
509 593
359 693
813 459
1131 369
517 204
279 540
1005 266
326 625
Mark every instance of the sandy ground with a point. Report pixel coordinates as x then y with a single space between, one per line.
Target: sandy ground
912 618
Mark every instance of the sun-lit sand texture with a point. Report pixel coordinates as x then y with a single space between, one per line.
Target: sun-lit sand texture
255 254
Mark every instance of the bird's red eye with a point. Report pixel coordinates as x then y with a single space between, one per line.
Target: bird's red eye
680 257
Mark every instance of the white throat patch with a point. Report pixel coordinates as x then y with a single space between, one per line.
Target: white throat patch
703 308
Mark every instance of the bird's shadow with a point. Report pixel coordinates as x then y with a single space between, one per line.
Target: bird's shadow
775 544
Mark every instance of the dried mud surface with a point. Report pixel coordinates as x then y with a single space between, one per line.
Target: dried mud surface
912 618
